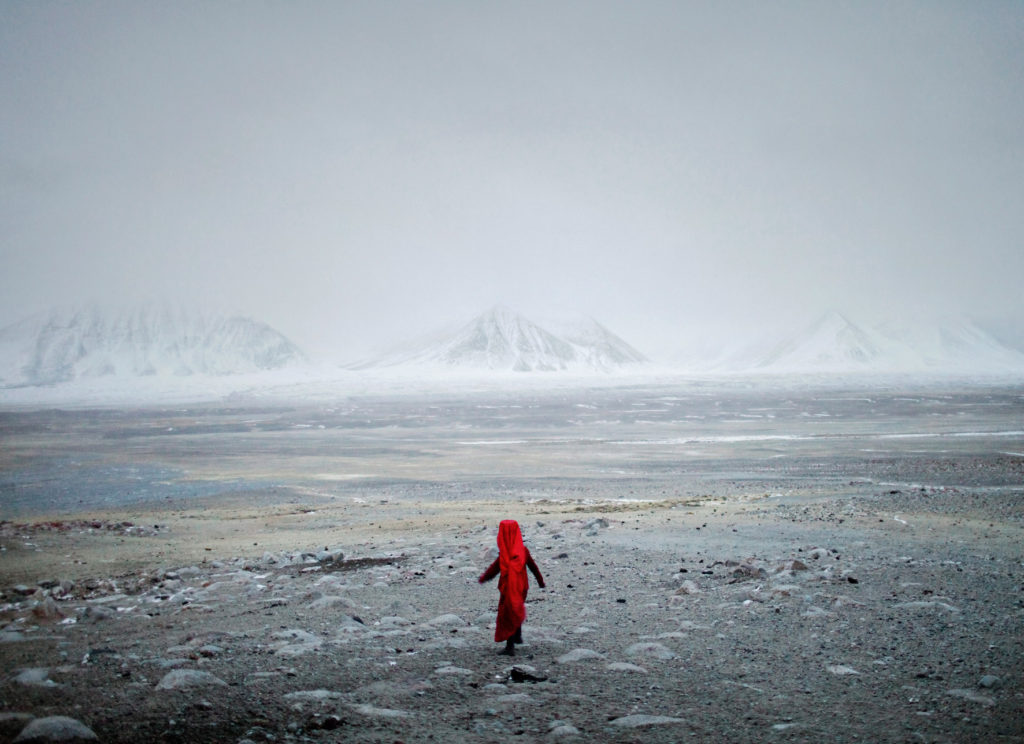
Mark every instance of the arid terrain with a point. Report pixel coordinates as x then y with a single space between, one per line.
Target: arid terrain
723 563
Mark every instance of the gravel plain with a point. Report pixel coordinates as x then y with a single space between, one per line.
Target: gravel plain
721 564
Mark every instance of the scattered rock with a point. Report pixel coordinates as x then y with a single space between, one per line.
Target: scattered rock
55 729
97 613
295 642
448 621
454 670
394 621
179 679
37 677
579 654
650 650
47 609
513 699
622 666
371 711
563 730
925 605
749 571
841 670
688 587
328 556
990 682
524 673
638 720
973 696
311 696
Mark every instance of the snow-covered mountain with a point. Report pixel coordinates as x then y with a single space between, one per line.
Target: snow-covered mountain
834 343
70 344
831 342
501 339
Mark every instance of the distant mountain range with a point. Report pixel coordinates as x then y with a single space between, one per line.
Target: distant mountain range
163 340
501 339
834 343
157 339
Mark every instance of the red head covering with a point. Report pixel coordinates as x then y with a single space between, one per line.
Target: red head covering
513 583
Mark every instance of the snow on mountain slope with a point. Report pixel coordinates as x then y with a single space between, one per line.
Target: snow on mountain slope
596 346
832 342
151 340
501 339
836 344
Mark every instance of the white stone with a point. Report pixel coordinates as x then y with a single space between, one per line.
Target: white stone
641 721
650 650
373 712
55 728
178 679
312 695
622 666
37 677
448 620
841 670
973 696
579 654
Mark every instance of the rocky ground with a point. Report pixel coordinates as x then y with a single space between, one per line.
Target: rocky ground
883 615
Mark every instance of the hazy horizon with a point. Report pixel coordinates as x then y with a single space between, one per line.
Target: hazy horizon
358 174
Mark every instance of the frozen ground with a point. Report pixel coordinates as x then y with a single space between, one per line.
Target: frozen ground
737 563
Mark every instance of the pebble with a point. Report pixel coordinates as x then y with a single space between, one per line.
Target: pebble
311 696
328 601
638 720
178 679
650 650
371 711
450 670
295 642
447 621
47 609
990 682
973 696
622 666
54 729
841 670
514 698
37 677
563 730
98 613
579 654
927 606
688 587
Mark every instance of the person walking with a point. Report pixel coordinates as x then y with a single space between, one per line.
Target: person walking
512 561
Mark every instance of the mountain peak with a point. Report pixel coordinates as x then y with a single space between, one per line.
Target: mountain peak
834 343
502 339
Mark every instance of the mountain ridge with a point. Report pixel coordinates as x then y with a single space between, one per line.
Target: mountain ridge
500 339
148 340
834 343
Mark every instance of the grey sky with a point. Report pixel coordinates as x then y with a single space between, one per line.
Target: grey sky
354 172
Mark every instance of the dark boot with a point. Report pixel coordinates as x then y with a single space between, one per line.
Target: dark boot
509 650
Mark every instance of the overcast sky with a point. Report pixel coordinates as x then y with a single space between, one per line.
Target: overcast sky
357 172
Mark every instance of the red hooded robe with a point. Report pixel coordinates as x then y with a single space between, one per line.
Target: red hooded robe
513 583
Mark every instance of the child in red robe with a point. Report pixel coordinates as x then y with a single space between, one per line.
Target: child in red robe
512 561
